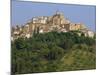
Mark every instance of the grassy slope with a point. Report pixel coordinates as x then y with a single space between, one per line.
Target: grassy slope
78 59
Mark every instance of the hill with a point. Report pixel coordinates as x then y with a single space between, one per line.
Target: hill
53 51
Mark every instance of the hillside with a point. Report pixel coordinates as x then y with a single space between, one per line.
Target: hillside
53 51
78 59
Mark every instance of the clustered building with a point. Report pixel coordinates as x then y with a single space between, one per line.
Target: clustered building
45 24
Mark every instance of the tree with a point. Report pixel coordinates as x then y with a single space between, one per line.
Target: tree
67 44
20 43
55 53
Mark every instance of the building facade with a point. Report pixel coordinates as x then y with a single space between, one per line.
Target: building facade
44 24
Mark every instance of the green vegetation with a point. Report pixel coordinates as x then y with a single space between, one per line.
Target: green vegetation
50 52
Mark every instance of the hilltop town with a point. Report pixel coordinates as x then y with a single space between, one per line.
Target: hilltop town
44 24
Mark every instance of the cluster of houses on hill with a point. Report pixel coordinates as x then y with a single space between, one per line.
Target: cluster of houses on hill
44 24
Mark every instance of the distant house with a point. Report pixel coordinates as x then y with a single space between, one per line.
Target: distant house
44 24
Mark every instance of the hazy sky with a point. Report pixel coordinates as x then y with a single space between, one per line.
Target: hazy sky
22 12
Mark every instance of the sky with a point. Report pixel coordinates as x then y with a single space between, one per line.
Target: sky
23 11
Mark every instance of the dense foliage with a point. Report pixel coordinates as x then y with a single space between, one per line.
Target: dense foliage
53 51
